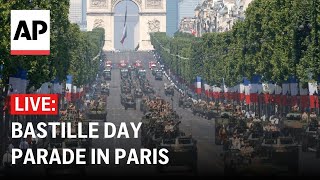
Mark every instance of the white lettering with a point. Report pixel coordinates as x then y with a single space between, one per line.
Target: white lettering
106 130
133 157
16 154
29 157
136 129
119 154
34 106
16 128
162 153
17 108
45 103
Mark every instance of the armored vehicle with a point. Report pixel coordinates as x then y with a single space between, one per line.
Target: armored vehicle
128 101
281 151
168 90
182 152
105 89
97 110
138 93
310 137
293 125
107 74
142 73
158 75
185 102
221 124
124 73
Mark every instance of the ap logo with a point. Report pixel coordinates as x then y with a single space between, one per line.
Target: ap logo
30 32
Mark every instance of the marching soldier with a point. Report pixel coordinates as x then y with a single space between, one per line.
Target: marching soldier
304 117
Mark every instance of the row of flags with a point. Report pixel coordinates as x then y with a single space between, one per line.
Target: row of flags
290 93
18 85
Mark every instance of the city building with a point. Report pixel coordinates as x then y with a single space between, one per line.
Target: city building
172 17
188 25
219 15
78 13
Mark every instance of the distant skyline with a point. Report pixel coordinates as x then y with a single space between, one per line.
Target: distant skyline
172 17
77 13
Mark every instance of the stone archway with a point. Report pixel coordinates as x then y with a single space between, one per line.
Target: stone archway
152 18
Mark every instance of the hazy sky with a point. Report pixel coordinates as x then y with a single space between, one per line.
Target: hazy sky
132 20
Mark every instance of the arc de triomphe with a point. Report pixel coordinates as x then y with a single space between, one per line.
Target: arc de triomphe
152 18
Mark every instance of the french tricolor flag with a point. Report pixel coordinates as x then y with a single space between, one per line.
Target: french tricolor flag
304 97
225 91
241 91
277 92
255 88
285 93
313 91
247 85
74 92
294 90
69 87
198 85
216 92
207 89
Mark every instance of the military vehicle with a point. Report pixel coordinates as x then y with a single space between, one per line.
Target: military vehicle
318 147
158 75
210 111
107 74
169 89
199 108
138 93
147 89
221 124
124 73
281 151
125 88
143 105
128 101
185 102
232 161
154 70
73 144
142 73
182 152
105 89
293 125
97 110
60 144
310 137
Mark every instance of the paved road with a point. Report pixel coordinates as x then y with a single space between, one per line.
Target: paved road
202 130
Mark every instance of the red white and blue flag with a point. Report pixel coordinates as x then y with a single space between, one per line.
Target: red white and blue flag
313 91
247 86
207 89
69 87
198 85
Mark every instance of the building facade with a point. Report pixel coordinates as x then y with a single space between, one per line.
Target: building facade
219 15
188 25
77 13
172 17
